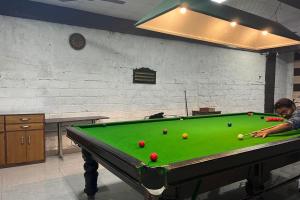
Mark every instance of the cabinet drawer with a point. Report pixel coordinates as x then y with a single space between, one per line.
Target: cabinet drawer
1 119
24 127
24 119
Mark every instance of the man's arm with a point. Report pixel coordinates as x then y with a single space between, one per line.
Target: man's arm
273 130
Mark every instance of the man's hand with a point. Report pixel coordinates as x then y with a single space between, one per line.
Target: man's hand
261 133
272 130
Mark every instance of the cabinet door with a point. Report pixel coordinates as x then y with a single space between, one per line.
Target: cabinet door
16 147
2 149
35 145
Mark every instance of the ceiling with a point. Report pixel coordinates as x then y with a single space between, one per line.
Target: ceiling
132 9
136 9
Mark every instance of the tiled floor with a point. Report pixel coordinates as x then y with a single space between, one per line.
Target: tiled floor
63 180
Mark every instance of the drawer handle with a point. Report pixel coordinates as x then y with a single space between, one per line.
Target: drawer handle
29 140
25 126
22 140
24 119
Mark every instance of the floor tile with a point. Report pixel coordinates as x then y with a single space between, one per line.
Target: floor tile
29 174
110 187
43 190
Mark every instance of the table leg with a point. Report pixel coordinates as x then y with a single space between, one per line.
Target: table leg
256 180
90 175
151 197
167 196
60 144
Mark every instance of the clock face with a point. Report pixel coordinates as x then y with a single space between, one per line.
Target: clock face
77 41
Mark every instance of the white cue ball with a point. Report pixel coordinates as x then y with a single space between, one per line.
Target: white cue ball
240 136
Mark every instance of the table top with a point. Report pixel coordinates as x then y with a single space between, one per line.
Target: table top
208 135
73 119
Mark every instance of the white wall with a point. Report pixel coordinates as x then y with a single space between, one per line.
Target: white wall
39 72
284 76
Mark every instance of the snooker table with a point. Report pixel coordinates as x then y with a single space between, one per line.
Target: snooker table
211 157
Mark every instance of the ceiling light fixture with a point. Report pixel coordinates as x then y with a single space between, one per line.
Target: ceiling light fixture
218 1
216 22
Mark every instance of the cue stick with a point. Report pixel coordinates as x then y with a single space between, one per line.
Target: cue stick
186 105
259 130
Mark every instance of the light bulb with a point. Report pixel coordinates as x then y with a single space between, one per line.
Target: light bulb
183 10
265 32
233 24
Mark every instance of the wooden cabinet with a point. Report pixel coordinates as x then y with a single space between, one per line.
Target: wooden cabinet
25 139
1 128
2 149
25 146
35 145
2 142
16 147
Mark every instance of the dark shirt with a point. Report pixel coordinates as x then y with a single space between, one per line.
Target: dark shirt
294 120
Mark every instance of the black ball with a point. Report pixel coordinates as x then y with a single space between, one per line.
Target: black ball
229 124
165 131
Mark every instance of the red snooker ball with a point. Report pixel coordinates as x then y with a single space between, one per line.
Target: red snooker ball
141 144
268 119
153 157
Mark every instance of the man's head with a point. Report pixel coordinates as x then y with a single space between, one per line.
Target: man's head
285 107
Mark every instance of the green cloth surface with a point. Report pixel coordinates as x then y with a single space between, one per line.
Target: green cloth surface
207 136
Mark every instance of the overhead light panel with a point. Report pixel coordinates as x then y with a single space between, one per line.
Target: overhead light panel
217 23
218 1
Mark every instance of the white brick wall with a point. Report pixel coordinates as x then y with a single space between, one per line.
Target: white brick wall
39 72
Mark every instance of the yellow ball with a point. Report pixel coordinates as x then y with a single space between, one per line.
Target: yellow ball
240 136
185 136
